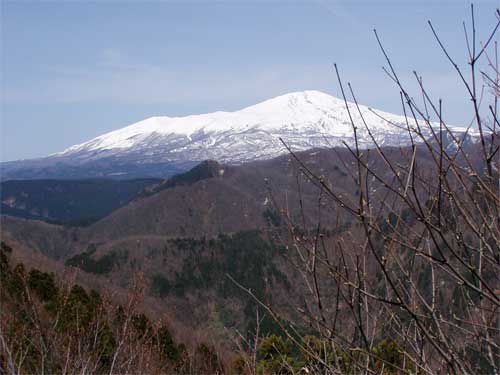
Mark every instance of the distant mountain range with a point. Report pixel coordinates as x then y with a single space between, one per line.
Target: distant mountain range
164 146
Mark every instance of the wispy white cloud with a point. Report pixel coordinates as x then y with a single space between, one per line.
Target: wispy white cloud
337 9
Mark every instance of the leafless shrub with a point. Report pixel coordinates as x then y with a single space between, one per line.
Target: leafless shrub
53 326
415 260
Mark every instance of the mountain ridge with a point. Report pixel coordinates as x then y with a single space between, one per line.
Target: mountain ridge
162 146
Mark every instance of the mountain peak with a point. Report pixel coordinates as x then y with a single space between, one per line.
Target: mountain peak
301 96
205 170
295 100
296 107
304 120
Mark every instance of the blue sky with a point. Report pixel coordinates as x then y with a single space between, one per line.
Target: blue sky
73 70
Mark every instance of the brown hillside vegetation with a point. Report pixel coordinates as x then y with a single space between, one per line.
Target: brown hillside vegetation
340 261
237 199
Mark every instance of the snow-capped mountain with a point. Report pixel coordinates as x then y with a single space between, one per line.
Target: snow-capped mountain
304 120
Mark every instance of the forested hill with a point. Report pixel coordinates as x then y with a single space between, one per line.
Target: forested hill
69 202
